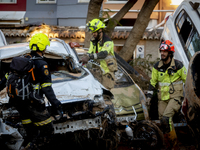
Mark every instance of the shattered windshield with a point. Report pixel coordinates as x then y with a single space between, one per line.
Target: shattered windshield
63 75
64 70
121 78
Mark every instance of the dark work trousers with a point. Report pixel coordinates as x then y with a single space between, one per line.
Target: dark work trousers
35 118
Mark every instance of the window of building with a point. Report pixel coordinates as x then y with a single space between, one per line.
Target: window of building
83 1
117 1
188 34
46 1
8 1
127 22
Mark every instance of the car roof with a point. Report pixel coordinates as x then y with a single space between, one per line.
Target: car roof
56 47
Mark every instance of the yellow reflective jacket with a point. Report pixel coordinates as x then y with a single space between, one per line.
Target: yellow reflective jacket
170 80
106 44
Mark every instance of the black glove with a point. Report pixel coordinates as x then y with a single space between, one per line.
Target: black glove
149 96
60 111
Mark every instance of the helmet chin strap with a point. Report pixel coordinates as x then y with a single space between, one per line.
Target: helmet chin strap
98 35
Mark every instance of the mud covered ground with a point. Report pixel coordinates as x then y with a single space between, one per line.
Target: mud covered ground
63 142
185 141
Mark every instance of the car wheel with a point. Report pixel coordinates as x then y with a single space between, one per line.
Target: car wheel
150 134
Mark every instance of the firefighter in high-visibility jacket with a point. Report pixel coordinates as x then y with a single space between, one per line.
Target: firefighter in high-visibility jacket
168 75
35 118
101 50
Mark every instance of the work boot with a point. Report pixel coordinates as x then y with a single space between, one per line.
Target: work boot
167 143
46 136
173 137
170 140
31 133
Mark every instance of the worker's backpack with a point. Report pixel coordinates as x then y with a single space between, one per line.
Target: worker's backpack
19 78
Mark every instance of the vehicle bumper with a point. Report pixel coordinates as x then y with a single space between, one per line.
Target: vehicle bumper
71 126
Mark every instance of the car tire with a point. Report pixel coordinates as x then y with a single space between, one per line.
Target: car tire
151 133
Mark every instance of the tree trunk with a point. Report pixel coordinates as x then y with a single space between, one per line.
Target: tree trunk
138 29
93 12
113 21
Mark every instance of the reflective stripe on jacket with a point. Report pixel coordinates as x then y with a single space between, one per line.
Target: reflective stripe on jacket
38 86
106 44
169 86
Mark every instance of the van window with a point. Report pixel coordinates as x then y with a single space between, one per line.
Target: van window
188 34
193 44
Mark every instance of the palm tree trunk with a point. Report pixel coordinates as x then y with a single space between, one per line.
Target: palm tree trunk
113 21
138 29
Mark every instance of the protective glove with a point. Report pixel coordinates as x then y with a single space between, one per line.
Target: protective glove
149 96
84 59
148 102
60 112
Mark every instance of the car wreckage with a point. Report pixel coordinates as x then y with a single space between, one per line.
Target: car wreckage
88 106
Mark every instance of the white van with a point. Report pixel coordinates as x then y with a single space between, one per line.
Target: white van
183 28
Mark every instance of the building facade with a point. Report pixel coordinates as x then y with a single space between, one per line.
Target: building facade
12 11
63 18
56 12
74 12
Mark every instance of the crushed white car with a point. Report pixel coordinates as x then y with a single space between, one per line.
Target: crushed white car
83 98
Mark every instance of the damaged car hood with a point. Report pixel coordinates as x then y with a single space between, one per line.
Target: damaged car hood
70 91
